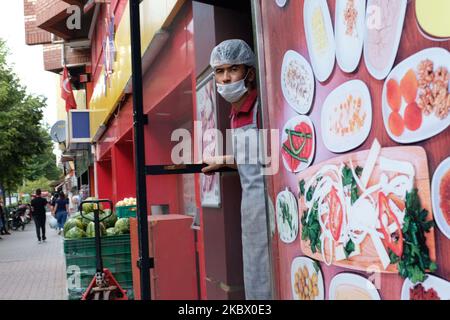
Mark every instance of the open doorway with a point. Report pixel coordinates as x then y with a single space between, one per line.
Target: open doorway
214 22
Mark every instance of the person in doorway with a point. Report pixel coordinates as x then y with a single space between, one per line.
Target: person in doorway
61 210
39 208
233 63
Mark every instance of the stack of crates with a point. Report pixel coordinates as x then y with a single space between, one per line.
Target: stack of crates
81 263
126 211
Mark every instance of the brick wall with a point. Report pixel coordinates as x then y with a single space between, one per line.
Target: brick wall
52 57
48 9
33 34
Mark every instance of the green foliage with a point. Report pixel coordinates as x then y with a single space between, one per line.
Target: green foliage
30 186
25 145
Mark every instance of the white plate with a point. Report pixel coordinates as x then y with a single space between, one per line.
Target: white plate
431 125
300 105
291 125
281 3
354 280
373 17
322 62
441 222
441 286
311 265
287 235
349 47
336 143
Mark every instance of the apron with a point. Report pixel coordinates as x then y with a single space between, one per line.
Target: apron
255 244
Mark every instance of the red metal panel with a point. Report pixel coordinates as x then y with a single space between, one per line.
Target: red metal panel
104 179
91 181
172 246
174 64
124 176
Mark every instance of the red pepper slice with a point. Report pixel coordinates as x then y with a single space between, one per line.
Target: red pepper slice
297 141
336 213
396 245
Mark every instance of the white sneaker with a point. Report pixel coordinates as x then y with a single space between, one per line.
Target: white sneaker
39 241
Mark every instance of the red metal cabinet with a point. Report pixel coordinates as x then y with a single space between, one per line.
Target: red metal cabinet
172 244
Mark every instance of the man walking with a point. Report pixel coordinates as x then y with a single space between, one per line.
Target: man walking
38 207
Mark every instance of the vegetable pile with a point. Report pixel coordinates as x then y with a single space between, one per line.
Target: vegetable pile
80 227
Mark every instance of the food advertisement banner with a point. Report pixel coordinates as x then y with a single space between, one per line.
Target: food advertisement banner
359 91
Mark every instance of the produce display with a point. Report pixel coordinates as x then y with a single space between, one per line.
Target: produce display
126 202
79 226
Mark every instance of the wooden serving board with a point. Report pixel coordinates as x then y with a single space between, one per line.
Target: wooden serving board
368 260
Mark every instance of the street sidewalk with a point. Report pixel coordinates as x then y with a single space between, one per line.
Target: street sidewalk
32 271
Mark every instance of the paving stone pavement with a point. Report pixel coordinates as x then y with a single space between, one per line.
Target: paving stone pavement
32 271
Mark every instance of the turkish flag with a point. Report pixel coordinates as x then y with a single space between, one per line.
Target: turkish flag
66 91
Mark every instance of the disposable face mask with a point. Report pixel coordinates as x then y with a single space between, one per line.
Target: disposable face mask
234 91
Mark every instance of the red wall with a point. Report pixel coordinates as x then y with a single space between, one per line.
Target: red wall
104 179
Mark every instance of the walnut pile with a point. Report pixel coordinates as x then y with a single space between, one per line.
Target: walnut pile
434 96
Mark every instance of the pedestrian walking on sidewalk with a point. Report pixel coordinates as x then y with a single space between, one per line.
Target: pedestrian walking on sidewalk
38 207
61 210
3 229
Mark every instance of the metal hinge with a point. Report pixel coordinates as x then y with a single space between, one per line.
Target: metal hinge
149 265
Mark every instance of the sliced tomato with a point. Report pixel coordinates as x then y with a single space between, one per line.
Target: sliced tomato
297 143
336 213
393 241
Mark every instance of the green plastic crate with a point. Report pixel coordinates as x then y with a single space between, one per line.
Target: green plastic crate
126 212
116 255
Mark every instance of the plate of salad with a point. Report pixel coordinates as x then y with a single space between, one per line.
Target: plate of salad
298 141
370 210
287 216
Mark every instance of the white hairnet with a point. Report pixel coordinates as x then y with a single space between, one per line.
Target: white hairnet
233 51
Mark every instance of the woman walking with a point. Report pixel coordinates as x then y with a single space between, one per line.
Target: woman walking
61 209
